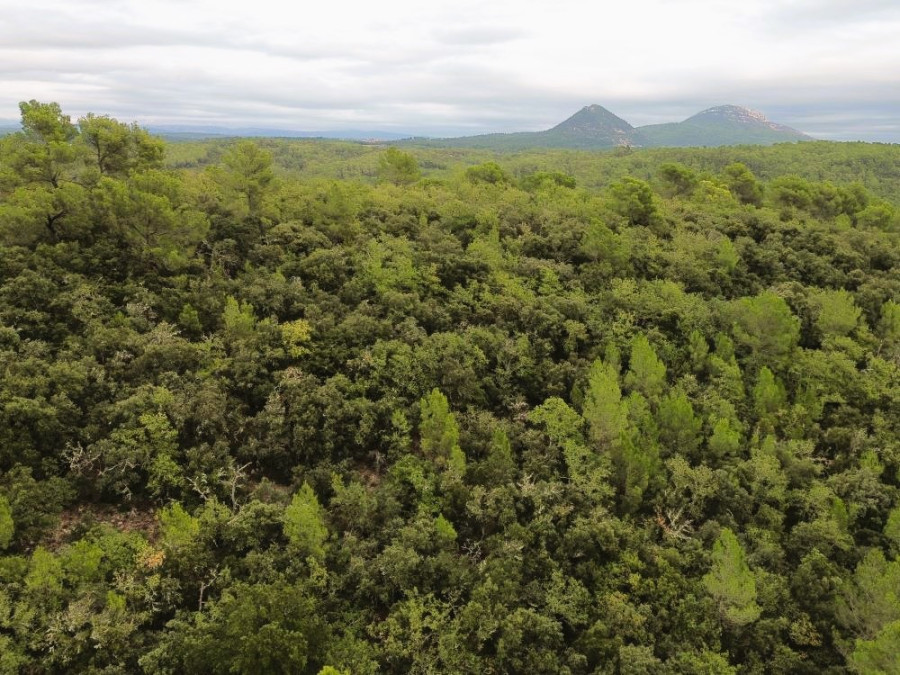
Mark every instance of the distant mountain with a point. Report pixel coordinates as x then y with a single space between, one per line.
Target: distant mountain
591 127
595 127
187 132
721 125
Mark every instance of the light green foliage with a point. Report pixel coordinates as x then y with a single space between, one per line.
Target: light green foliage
490 173
679 427
742 183
646 372
296 334
398 167
765 325
7 526
889 322
679 179
836 313
872 600
189 320
178 528
561 422
792 192
165 476
892 528
606 247
725 439
438 431
304 523
117 148
239 318
768 395
633 199
48 153
603 410
443 528
636 461
542 180
81 561
882 216
249 173
698 351
152 351
880 655
499 466
731 583
634 660
45 575
727 255
725 371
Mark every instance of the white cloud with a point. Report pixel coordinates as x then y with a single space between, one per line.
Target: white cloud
444 66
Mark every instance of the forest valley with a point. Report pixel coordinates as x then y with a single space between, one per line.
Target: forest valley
294 406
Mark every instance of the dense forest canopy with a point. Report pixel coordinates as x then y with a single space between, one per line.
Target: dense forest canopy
308 407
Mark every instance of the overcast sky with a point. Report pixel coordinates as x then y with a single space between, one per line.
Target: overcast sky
830 68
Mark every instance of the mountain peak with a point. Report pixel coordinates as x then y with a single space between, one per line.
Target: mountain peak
740 116
595 127
594 121
734 113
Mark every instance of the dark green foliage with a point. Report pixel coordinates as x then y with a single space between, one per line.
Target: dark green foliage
284 409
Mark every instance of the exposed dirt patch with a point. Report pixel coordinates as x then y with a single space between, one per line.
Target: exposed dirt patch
74 522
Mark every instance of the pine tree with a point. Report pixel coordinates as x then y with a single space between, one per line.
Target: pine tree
439 433
304 523
679 427
646 373
603 409
731 583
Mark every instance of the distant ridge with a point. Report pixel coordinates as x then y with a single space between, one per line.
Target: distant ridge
188 132
720 125
595 127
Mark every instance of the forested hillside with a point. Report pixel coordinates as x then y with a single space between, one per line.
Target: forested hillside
330 408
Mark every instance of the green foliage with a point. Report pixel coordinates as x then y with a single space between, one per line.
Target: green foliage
742 184
304 524
249 173
881 655
7 526
633 199
233 407
731 583
872 600
271 628
296 334
725 439
768 395
547 179
889 322
438 431
178 528
836 313
489 172
679 179
646 373
398 167
603 409
679 427
118 148
765 325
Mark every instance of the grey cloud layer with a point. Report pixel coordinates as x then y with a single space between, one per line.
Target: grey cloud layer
459 76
